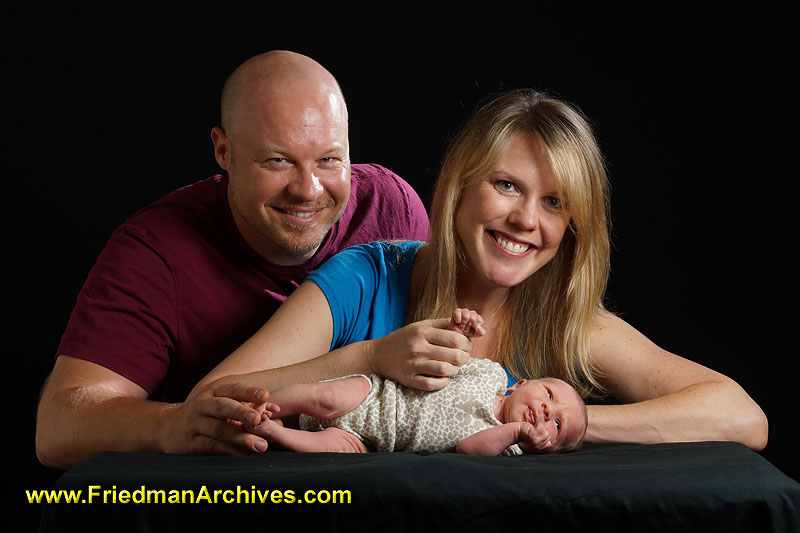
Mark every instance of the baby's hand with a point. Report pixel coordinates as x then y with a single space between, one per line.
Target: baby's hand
467 322
532 438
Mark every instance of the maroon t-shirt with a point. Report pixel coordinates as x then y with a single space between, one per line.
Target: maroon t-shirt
177 288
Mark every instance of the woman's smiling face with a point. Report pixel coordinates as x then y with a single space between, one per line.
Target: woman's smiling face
511 222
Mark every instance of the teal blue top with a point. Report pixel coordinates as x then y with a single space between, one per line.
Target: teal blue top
367 289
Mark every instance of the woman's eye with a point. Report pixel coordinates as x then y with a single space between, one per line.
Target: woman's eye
505 186
553 202
558 425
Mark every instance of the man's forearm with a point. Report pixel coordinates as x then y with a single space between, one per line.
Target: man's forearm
712 411
75 424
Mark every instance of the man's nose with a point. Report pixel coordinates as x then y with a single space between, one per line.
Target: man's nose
305 185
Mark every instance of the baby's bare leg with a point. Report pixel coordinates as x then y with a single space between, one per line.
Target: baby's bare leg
329 399
467 322
328 440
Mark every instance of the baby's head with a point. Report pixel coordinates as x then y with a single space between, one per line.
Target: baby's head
550 403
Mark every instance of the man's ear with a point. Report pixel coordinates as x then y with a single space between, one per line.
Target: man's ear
222 147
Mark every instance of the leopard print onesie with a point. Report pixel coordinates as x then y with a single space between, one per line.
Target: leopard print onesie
396 418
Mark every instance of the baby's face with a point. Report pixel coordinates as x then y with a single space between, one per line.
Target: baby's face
549 403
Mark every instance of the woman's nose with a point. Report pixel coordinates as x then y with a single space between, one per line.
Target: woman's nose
525 215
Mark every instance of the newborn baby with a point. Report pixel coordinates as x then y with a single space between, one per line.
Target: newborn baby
475 414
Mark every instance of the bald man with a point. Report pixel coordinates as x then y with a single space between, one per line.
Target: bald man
189 278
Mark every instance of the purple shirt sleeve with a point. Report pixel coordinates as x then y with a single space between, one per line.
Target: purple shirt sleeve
177 288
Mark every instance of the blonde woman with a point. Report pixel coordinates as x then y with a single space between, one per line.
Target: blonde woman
519 234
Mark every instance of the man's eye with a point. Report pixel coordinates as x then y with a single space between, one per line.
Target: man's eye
329 161
276 161
558 425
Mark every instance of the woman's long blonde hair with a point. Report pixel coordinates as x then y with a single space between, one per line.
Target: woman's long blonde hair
544 329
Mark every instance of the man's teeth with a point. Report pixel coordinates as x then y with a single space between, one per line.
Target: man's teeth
511 247
301 214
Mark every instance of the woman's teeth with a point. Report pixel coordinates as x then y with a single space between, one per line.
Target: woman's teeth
511 247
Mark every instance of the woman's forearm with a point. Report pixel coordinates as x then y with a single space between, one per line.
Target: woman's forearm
351 359
422 355
709 411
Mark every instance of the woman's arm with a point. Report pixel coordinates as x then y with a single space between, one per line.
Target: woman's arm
292 347
666 398
292 341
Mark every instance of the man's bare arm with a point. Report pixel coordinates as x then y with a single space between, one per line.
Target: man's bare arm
86 408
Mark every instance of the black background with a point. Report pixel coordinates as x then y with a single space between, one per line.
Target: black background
106 110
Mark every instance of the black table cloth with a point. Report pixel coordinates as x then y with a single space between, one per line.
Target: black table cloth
711 486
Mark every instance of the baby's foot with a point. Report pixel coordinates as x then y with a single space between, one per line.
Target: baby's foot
267 409
263 410
265 429
467 322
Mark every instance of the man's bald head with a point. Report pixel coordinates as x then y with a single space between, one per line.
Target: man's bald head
284 144
275 75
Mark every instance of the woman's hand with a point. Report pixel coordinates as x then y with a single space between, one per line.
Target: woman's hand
422 355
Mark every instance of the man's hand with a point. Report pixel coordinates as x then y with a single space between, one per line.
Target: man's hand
211 421
86 408
422 355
